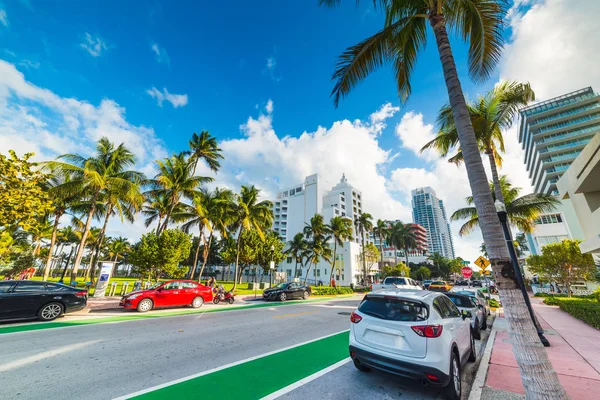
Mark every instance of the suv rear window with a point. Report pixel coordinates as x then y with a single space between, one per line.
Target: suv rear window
464 302
394 281
393 309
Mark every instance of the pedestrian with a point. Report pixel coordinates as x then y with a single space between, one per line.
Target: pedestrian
211 283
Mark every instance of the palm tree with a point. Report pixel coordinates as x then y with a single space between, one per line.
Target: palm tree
402 236
317 249
117 247
250 214
68 236
364 225
39 231
491 115
204 147
316 228
521 211
438 261
382 231
175 180
92 177
297 249
520 243
156 208
480 22
340 229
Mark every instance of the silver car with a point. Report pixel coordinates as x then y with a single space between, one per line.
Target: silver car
467 303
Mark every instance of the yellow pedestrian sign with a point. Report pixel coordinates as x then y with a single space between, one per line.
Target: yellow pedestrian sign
482 262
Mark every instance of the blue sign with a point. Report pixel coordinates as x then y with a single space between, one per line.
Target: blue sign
103 277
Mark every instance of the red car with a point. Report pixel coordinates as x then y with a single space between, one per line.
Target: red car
168 294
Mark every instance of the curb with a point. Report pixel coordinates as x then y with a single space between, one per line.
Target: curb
479 381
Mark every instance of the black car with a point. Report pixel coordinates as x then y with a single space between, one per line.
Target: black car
477 284
36 299
286 291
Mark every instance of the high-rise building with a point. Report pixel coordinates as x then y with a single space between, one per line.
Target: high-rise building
429 212
295 206
554 132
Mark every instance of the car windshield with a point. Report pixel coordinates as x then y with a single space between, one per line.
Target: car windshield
156 285
393 309
461 301
467 293
394 281
438 283
281 286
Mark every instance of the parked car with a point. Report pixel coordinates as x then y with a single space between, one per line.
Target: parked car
461 282
479 297
175 293
396 282
440 286
287 291
467 303
415 334
426 283
36 299
477 283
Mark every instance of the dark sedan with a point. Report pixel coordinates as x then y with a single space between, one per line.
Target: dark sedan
287 291
36 299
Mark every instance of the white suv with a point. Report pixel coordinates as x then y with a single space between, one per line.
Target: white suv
415 334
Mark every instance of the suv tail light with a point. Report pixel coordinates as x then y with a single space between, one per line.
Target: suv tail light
81 294
428 331
355 318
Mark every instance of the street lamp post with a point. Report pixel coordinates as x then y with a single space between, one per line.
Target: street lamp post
503 216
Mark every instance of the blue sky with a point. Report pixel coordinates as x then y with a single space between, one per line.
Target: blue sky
257 75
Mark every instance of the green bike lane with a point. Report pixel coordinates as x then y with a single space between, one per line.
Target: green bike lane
259 376
133 316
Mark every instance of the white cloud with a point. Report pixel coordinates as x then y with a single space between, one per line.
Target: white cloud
271 69
414 133
3 18
162 57
554 46
269 107
36 119
93 45
177 100
29 64
379 117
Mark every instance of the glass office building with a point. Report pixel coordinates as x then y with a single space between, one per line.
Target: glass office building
554 132
429 212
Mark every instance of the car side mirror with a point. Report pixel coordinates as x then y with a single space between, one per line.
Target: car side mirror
466 314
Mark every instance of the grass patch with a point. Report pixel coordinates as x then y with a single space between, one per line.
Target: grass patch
586 310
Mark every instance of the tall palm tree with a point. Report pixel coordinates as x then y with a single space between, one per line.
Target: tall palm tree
491 115
175 181
340 229
205 147
316 228
317 249
67 236
364 225
40 231
106 171
402 236
156 208
404 34
297 249
521 211
117 247
250 214
382 231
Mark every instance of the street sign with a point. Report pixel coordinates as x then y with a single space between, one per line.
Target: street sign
482 262
467 272
465 262
272 265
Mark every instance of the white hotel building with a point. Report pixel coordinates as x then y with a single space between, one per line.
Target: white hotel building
296 205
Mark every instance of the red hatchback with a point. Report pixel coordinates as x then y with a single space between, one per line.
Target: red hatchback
168 294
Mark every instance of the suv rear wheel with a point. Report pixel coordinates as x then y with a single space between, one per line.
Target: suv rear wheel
452 391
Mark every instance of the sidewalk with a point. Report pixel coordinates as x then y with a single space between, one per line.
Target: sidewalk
574 354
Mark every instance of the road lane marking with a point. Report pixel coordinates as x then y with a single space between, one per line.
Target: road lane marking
35 326
296 314
306 380
332 306
257 376
41 356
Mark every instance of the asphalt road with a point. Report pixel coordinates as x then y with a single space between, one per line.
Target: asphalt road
109 360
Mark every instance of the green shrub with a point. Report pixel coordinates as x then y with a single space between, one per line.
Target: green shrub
585 296
551 301
329 291
586 310
597 294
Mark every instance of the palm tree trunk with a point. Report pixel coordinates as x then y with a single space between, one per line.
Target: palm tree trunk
495 177
362 238
205 255
381 253
307 272
174 202
86 231
62 277
38 245
52 243
195 265
406 255
237 258
158 226
333 262
538 376
94 260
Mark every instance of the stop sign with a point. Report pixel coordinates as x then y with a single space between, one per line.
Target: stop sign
467 272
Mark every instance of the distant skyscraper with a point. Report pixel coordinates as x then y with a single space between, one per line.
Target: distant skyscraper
429 212
554 132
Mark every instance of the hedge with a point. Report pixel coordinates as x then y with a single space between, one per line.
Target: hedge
565 295
326 290
585 310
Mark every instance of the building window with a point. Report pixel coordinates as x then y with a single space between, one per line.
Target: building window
298 190
292 192
337 211
548 219
343 207
289 272
343 214
289 260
